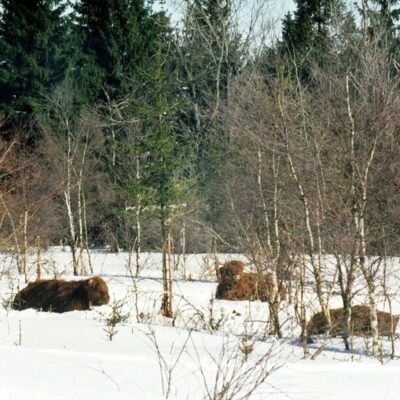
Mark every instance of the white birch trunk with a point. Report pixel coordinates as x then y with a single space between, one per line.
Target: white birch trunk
68 204
360 181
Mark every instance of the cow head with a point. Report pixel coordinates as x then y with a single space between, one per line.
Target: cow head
97 291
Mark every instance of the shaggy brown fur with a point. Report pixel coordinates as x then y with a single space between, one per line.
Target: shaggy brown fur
60 296
360 322
249 287
228 276
233 268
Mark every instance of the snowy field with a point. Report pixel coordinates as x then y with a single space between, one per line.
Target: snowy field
210 347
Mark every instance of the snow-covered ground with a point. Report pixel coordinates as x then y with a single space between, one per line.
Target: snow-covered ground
198 354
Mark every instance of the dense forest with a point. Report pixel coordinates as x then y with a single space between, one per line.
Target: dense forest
119 129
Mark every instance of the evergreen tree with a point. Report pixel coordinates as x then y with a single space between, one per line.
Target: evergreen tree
117 38
164 182
125 103
32 60
309 23
305 33
166 165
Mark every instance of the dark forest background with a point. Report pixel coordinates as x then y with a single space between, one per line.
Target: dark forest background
119 129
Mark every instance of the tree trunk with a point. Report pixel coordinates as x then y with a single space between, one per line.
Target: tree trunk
272 247
68 204
166 304
360 198
138 242
38 258
25 247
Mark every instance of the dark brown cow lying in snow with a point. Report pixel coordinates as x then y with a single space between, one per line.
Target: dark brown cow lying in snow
60 296
228 275
360 322
234 284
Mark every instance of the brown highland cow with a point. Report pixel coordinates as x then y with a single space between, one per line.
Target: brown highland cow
228 275
249 287
360 322
60 296
233 268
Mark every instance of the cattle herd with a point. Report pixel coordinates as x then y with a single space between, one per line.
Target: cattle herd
60 296
235 284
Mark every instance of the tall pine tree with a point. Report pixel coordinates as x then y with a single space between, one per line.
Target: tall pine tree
117 38
32 60
118 41
305 33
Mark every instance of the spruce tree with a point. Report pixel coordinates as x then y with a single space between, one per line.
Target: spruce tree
309 24
170 162
305 33
117 37
32 60
119 40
